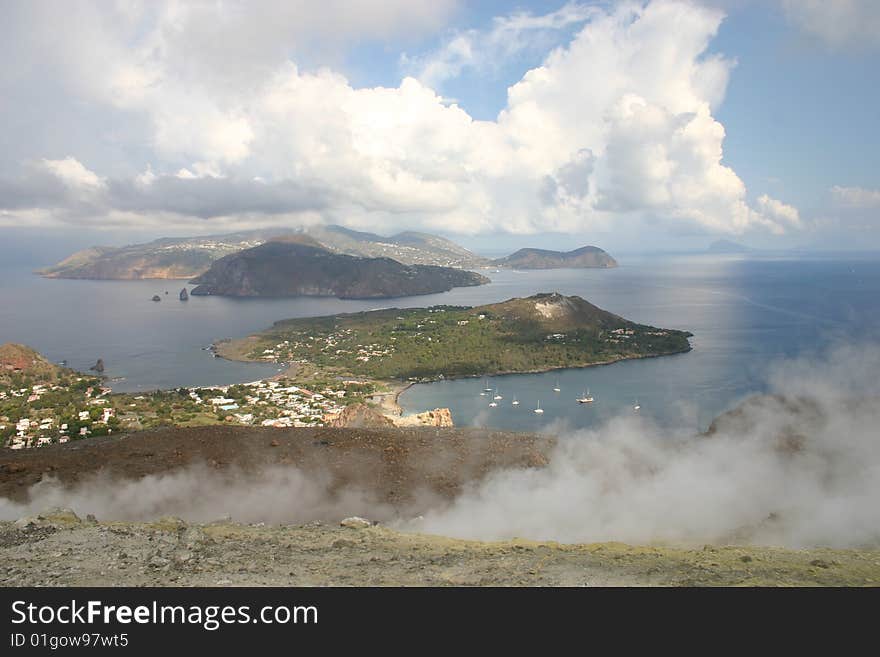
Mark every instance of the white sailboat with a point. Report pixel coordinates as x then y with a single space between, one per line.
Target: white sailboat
539 410
497 396
586 398
514 402
493 404
556 388
636 405
487 388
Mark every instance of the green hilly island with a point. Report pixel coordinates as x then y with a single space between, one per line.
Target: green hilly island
542 332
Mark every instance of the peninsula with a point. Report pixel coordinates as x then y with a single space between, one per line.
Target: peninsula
538 333
301 267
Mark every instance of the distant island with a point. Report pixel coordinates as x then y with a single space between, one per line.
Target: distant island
586 257
186 257
727 246
300 266
538 333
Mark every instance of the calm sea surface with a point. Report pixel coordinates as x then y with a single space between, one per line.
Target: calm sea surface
745 313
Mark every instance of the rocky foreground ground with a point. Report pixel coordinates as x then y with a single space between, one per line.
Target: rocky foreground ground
402 469
59 549
395 465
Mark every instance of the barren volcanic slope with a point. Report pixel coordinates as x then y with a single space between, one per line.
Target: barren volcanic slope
397 467
285 269
586 257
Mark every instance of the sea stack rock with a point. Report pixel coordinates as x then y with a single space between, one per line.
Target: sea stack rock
99 366
156 297
184 295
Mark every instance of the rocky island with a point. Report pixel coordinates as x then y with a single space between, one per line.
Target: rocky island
586 257
300 266
186 257
538 333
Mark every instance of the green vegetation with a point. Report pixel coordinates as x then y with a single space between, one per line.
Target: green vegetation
520 335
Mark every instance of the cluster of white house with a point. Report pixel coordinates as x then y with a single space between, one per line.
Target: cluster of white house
44 431
285 350
288 405
269 403
33 394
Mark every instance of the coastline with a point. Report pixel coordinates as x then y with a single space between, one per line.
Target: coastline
395 394
232 349
390 403
537 371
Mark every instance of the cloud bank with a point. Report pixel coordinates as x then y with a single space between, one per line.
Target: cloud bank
615 125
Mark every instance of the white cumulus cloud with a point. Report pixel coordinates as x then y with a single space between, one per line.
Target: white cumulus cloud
615 125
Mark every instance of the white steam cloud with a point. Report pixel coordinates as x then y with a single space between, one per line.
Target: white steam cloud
276 494
797 471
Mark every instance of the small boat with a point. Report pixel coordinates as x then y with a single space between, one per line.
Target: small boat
636 405
539 410
556 388
483 393
514 402
493 404
586 398
497 396
487 388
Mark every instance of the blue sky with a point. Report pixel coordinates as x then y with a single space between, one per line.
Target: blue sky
639 125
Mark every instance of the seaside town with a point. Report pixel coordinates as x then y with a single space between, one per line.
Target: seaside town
76 407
